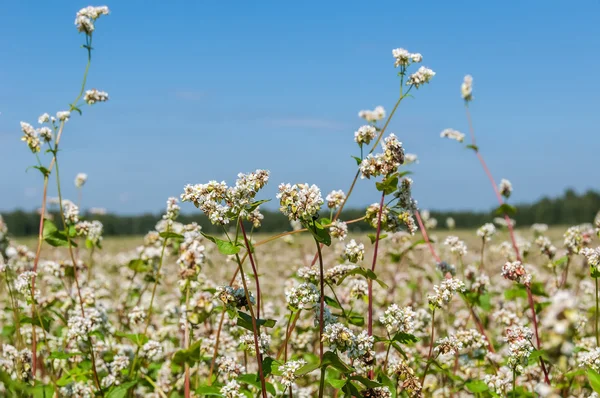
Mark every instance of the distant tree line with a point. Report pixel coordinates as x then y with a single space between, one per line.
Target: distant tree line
569 209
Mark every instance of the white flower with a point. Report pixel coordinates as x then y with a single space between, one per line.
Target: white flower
44 118
486 231
80 179
354 252
85 18
466 89
92 96
299 201
396 319
335 199
422 76
515 271
63 116
505 188
373 116
453 135
365 134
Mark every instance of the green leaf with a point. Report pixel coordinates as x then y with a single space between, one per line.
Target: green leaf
505 208
330 358
476 386
244 320
515 292
137 338
537 289
405 338
336 383
267 366
356 319
332 303
169 235
45 172
208 390
373 237
358 160
594 379
225 247
320 233
254 205
473 147
35 321
189 356
41 391
367 273
366 382
388 185
386 381
52 235
594 272
253 380
63 355
535 354
309 367
120 391
139 265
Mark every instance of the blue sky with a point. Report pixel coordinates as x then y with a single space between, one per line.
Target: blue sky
204 90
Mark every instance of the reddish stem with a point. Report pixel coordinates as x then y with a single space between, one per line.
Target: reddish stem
254 270
512 237
370 284
424 233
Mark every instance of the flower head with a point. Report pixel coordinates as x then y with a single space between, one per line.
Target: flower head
466 89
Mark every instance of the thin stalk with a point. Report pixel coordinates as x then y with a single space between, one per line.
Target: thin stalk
35 266
426 237
215 353
322 383
151 306
186 342
75 273
512 237
254 270
430 347
321 299
535 328
597 335
288 334
285 344
481 266
370 283
254 328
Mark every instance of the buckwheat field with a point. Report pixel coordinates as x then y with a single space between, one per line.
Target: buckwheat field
405 310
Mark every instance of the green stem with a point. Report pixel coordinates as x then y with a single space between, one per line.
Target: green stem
322 382
597 336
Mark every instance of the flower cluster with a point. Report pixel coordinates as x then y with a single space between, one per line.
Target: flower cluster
466 89
404 58
373 116
384 163
420 77
365 134
453 135
221 203
354 252
396 319
515 271
505 188
486 231
335 199
456 245
444 292
300 201
93 96
86 17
